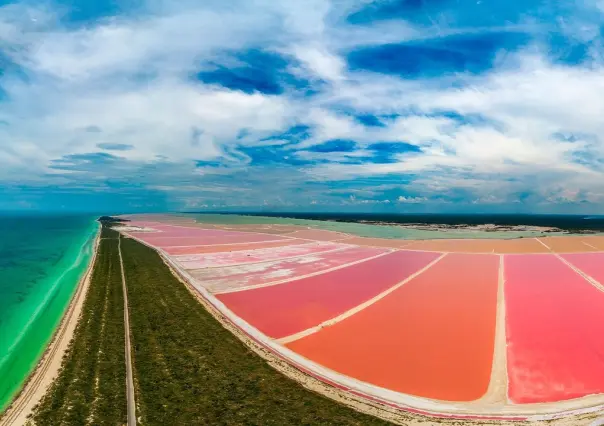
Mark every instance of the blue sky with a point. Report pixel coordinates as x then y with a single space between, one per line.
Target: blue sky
326 105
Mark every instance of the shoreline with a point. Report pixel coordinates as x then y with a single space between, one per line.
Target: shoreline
515 229
385 228
50 363
486 227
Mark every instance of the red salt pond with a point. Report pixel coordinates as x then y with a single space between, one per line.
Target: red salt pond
208 240
179 231
175 236
209 260
289 308
231 247
432 337
555 324
235 277
591 264
172 231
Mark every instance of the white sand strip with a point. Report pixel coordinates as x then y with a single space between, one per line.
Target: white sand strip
131 403
498 386
544 245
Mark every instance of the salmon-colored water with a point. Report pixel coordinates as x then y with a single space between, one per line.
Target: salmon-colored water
464 246
520 245
567 244
378 242
555 324
595 241
432 337
289 308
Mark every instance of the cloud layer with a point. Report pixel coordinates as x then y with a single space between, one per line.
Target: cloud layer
388 105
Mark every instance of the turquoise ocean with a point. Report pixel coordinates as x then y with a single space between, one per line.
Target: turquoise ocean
42 258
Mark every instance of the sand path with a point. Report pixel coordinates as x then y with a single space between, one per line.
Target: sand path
128 348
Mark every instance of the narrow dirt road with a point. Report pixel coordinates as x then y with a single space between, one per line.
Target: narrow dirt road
129 380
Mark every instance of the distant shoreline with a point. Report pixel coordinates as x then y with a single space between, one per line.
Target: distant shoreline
562 224
488 227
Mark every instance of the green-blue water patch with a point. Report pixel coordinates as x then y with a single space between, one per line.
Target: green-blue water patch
391 231
42 258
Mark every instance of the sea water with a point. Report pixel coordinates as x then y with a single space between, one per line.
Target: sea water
42 259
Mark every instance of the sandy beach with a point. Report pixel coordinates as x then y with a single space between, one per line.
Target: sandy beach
50 363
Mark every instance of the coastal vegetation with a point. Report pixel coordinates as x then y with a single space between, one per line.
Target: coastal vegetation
190 370
111 220
90 387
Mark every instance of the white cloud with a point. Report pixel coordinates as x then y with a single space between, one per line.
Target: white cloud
320 63
132 76
411 200
524 107
489 199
